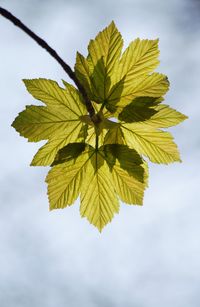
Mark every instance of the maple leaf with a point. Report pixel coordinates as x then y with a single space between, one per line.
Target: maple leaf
58 122
98 175
102 160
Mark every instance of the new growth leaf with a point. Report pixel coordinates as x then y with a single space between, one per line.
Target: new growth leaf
102 161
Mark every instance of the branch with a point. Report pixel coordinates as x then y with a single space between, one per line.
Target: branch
54 54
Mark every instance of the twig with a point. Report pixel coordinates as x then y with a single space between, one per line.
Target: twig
54 54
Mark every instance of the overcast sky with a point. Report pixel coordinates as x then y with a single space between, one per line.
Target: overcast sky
148 256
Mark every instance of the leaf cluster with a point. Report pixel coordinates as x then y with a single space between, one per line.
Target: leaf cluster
104 161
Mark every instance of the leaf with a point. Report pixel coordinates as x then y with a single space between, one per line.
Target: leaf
59 121
46 154
132 77
95 72
64 181
91 137
98 198
157 145
154 85
114 136
85 173
129 172
45 90
141 57
41 123
159 116
134 113
129 189
142 102
49 92
128 159
165 117
145 101
69 152
83 73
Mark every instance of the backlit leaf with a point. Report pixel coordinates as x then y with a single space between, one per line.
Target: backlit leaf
104 53
154 85
64 181
87 173
165 117
101 158
141 57
129 172
58 122
99 202
157 145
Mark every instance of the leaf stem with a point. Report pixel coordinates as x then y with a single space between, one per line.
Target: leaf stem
103 105
97 142
54 54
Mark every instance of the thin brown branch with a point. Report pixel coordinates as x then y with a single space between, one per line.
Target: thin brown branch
54 54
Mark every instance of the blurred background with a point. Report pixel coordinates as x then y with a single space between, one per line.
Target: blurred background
148 256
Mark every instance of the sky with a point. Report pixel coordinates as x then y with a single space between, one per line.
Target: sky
148 256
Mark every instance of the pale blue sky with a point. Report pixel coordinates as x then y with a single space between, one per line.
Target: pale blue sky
148 256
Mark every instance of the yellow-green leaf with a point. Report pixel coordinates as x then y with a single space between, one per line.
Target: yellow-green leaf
50 93
91 137
69 152
46 154
59 121
129 189
41 123
134 113
64 181
83 73
114 136
129 172
141 57
154 85
98 199
157 145
95 72
165 117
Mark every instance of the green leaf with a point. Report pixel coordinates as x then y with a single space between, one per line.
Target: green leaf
154 85
129 172
50 93
104 53
83 73
134 113
159 116
98 199
128 159
96 71
91 137
38 123
139 102
85 173
132 79
58 122
141 57
157 145
46 154
114 136
145 101
69 152
129 189
64 181
165 117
